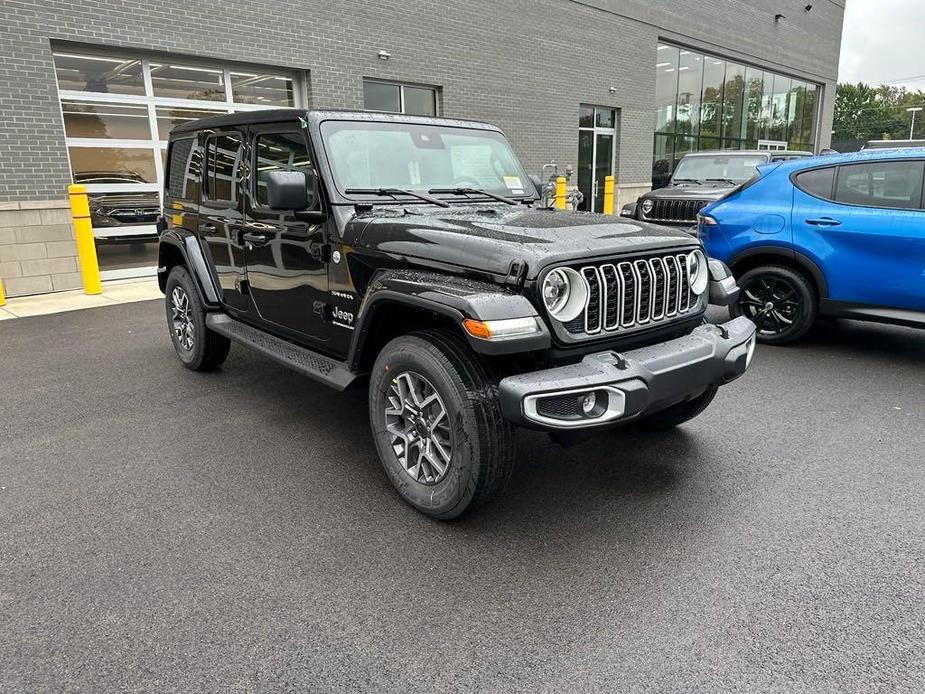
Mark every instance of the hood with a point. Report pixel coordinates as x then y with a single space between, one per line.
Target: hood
491 238
692 191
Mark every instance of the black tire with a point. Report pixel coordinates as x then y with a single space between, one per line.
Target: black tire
199 348
481 455
781 302
680 413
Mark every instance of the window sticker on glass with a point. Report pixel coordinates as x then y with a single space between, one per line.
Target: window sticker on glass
514 184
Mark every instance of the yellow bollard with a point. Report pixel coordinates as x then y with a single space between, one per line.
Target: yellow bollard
560 192
608 194
2 295
83 232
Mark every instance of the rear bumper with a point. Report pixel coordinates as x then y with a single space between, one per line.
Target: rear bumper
630 385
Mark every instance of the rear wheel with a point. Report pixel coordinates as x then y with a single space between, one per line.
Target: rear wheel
437 424
199 348
779 301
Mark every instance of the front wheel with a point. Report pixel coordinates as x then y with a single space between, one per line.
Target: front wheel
437 424
779 301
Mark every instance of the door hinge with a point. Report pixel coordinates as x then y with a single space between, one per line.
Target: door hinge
320 252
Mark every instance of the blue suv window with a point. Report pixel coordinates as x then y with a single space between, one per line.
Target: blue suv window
888 183
817 182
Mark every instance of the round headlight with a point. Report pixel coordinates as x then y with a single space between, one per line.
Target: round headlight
555 291
564 294
698 271
647 206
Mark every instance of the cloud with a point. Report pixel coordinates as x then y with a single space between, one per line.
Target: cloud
884 41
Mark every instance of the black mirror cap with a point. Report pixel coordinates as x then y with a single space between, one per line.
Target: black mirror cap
287 190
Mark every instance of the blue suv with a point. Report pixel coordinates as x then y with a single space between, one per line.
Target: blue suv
840 235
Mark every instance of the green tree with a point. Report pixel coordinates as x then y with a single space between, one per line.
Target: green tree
864 112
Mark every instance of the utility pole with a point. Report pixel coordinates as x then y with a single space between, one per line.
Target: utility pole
913 110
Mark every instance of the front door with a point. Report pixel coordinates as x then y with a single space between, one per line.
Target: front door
286 260
596 154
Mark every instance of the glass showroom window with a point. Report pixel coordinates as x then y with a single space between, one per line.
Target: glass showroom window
118 112
705 102
393 97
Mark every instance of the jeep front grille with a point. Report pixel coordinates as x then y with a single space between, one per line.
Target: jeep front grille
633 293
675 210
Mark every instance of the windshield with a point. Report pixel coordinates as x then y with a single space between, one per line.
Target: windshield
409 156
735 168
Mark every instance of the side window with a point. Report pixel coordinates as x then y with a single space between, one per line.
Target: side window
888 183
817 182
223 163
184 168
280 152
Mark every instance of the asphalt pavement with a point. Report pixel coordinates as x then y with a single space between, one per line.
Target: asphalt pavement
162 530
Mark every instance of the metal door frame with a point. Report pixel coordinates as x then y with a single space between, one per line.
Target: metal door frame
595 131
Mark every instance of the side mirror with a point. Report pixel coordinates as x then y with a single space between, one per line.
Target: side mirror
289 190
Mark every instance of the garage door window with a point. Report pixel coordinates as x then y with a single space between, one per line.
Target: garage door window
118 111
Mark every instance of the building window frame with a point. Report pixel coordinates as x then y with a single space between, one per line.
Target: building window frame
156 145
435 90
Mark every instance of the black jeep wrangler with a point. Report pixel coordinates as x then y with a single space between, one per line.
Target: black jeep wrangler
409 253
699 179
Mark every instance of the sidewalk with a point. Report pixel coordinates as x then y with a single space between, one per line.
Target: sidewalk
114 292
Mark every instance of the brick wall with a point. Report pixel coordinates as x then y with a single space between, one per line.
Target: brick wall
37 251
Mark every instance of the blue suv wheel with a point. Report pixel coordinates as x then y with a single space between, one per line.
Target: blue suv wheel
779 301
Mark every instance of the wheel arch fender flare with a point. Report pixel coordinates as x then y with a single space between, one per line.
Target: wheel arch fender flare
793 257
451 297
183 242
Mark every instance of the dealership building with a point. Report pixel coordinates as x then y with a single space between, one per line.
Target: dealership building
90 91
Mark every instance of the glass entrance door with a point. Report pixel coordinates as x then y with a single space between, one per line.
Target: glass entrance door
597 139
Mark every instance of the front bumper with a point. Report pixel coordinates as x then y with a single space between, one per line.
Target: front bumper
630 385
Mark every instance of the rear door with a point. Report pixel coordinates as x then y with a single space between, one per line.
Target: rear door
285 257
864 225
221 213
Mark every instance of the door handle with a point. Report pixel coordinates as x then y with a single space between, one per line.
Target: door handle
207 228
823 222
251 239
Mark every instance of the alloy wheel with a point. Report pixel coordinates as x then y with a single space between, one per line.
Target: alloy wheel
182 319
419 427
772 303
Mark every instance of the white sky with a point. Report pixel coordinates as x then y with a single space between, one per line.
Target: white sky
884 41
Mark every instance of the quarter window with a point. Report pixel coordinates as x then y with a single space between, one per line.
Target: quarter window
183 169
223 160
817 182
279 152
891 184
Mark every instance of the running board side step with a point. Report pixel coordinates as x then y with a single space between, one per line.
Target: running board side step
329 371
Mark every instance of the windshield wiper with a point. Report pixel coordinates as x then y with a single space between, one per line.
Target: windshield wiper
720 180
687 180
471 191
395 192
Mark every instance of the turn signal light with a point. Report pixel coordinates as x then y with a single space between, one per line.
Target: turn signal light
501 329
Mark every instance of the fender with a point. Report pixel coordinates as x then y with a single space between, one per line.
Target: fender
456 298
188 246
804 261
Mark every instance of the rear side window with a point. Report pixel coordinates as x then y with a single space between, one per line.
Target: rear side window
184 168
817 182
888 183
279 152
223 164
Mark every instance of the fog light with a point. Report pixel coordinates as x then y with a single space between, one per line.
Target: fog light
588 402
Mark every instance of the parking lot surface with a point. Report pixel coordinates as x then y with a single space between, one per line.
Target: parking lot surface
164 530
